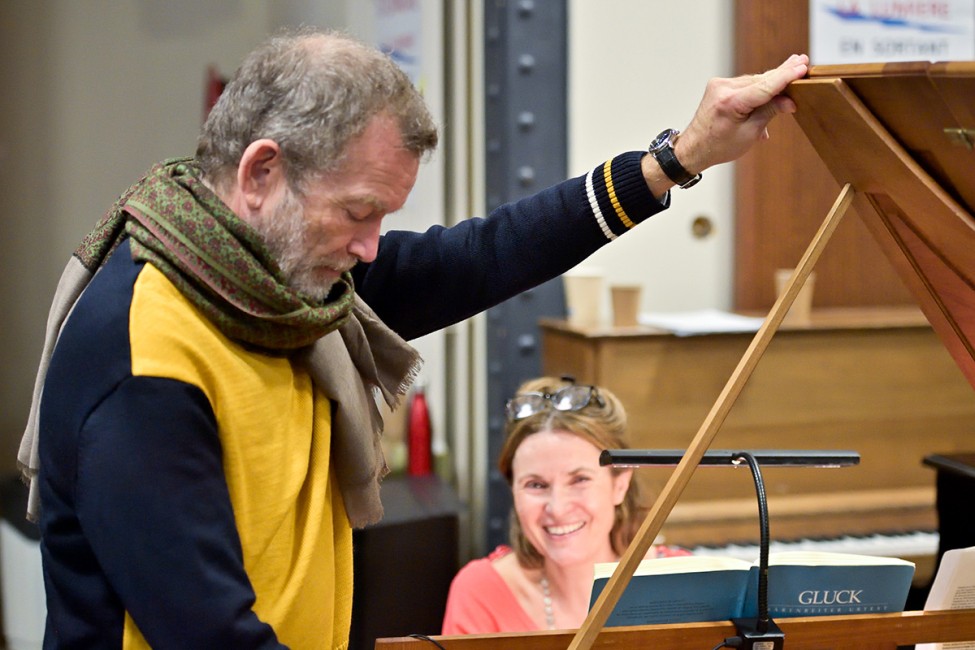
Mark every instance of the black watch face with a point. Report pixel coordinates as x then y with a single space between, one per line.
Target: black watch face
662 140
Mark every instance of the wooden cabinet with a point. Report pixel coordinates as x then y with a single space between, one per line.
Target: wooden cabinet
404 564
877 381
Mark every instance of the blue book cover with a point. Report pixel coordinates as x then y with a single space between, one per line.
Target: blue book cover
677 590
706 588
805 583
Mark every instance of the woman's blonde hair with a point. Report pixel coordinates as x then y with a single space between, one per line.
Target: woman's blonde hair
601 423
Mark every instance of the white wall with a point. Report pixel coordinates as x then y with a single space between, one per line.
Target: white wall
637 67
95 92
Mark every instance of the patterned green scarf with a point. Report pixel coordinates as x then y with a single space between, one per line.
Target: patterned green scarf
215 259
220 264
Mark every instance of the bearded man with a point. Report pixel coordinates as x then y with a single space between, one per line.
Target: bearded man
204 435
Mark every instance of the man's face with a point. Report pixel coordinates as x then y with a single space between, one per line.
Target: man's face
338 223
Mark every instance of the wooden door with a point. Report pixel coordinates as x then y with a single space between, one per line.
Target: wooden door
783 190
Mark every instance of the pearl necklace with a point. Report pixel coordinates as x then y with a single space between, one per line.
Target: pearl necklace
547 602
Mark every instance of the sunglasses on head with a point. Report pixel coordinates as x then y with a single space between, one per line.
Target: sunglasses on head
571 398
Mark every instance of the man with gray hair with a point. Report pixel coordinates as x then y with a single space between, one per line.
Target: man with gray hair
204 435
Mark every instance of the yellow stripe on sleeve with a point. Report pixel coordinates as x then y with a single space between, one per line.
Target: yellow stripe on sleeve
620 212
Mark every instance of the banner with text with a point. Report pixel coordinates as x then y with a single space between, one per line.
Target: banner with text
877 31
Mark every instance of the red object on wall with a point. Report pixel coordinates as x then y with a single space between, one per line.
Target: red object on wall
214 86
419 436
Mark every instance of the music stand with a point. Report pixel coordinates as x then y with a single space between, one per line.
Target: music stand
760 632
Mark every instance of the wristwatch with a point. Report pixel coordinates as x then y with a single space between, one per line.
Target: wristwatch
662 149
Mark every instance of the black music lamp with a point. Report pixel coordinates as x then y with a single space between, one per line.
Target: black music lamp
760 633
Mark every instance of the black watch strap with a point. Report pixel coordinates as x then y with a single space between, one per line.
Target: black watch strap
662 149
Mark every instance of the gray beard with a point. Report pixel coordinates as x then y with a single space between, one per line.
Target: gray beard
283 232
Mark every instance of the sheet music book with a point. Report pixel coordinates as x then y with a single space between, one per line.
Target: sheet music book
688 589
953 588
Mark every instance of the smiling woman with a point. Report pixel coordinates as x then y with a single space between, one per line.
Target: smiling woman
569 513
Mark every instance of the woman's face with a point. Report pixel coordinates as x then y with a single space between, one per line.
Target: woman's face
564 499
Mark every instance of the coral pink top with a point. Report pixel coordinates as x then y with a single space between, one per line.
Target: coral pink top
480 601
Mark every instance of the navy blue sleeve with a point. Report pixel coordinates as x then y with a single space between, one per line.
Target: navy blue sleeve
422 282
154 505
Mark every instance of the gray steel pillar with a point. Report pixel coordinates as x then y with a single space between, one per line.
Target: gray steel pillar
525 73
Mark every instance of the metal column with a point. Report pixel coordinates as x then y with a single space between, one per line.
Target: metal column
525 72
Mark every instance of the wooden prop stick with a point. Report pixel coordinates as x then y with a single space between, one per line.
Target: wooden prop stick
638 548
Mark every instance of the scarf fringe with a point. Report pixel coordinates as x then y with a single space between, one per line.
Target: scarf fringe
404 387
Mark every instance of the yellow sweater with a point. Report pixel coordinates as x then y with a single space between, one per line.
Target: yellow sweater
296 539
